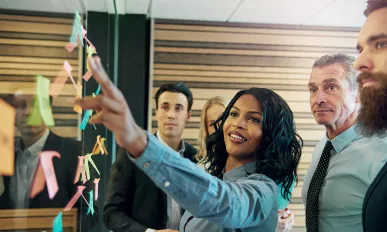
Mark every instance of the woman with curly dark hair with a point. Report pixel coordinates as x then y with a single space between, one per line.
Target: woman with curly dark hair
255 148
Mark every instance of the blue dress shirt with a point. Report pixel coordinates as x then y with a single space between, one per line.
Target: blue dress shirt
249 203
355 161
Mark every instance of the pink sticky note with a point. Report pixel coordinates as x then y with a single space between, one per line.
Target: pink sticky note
80 170
58 83
87 75
84 32
70 46
96 181
38 182
68 69
49 172
76 196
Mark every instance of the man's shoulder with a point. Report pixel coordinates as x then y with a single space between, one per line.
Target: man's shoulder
190 150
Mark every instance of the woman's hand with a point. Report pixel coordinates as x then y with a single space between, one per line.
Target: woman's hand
114 112
285 220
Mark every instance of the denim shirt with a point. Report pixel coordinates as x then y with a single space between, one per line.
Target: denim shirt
247 203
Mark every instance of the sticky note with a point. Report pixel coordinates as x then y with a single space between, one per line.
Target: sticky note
91 203
99 146
98 90
7 133
88 160
58 83
70 46
76 196
35 118
43 89
96 181
77 30
57 225
85 119
77 108
90 52
38 182
80 170
68 69
49 172
87 75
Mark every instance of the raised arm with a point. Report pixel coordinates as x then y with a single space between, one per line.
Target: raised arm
248 202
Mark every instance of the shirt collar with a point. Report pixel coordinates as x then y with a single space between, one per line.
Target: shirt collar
182 145
35 148
240 172
345 138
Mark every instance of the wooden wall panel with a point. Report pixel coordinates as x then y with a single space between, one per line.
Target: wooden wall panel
34 45
221 58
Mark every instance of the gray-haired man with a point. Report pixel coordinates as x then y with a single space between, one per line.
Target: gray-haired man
340 170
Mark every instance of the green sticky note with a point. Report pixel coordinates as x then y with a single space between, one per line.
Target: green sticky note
86 167
34 119
43 91
88 157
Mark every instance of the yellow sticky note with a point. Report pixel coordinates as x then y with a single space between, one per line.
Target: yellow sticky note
90 52
7 133
43 91
77 108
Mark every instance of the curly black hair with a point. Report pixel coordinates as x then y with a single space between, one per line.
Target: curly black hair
280 151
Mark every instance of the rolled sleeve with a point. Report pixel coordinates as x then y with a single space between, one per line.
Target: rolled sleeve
245 203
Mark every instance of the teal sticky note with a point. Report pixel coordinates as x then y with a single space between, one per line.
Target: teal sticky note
77 30
98 90
57 224
85 119
91 203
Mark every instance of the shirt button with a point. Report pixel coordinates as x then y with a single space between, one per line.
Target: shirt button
166 183
146 165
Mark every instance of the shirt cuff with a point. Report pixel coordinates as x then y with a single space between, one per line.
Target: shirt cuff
149 161
150 230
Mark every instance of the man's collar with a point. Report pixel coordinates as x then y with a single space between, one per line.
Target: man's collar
36 147
182 145
345 138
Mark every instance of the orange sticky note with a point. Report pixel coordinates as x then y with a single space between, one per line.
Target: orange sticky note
76 196
99 146
7 133
87 75
49 172
96 181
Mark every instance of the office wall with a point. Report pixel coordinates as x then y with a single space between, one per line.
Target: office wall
221 58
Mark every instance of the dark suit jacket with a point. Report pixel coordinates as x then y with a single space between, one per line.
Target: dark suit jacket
134 203
65 170
375 204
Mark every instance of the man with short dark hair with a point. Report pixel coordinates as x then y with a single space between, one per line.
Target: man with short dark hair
340 171
134 203
372 120
35 139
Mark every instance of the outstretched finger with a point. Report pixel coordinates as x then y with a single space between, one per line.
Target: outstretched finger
100 102
99 74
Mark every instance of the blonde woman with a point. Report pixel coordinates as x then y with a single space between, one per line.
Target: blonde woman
211 111
213 108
